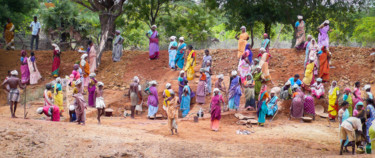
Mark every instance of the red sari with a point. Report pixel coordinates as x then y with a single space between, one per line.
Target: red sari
324 65
56 63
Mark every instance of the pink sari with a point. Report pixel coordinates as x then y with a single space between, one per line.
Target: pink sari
92 59
154 46
34 75
357 99
25 72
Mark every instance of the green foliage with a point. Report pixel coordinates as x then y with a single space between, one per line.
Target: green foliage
365 31
17 10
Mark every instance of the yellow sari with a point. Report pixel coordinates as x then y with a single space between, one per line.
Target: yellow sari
190 64
58 98
332 107
308 74
9 35
264 64
242 41
167 94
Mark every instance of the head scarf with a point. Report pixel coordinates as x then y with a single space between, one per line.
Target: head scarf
359 103
39 110
173 38
332 87
14 73
262 49
168 85
220 76
201 70
319 79
273 90
326 22
118 31
136 79
347 89
265 34
100 84
75 66
92 74
182 71
243 27
181 39
216 90
234 73
309 36
367 86
300 17
23 52
83 61
58 80
287 83
56 47
295 86
71 108
154 26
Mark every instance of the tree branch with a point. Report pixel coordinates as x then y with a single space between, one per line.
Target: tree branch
88 7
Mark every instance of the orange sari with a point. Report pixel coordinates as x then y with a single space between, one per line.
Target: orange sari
9 35
324 65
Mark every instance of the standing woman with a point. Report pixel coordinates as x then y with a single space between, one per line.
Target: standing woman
264 64
92 57
313 51
265 43
153 101
357 93
117 47
324 64
154 43
216 102
56 60
348 98
333 96
9 35
34 72
172 50
249 92
190 63
244 66
185 100
262 105
242 41
181 84
234 91
92 89
86 71
258 81
25 72
180 57
172 112
323 38
307 45
300 32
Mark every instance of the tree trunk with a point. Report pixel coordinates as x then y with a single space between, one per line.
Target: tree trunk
267 29
252 36
107 23
294 36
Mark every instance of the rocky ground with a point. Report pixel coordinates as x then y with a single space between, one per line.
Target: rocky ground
123 137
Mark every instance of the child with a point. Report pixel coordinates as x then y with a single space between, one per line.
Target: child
34 72
100 105
201 89
91 90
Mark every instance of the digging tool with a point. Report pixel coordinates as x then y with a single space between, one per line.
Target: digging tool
24 106
226 96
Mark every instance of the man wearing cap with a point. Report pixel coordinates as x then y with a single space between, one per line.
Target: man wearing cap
242 41
300 32
154 42
117 46
13 92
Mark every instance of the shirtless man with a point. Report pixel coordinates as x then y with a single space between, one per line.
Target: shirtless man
13 92
134 94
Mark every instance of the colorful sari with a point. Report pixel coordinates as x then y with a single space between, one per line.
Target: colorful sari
201 90
313 50
300 35
309 76
357 99
242 41
264 64
58 98
323 39
243 68
25 72
9 36
371 112
309 105
190 64
216 111
56 63
185 102
262 107
92 59
54 111
271 111
167 95
172 113
154 46
86 70
324 65
172 54
234 93
265 44
34 75
317 90
250 55
180 55
348 98
307 52
117 49
249 94
297 108
91 89
332 101
258 84
181 81
152 101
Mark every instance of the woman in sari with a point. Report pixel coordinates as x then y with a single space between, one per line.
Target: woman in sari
86 70
48 98
234 91
166 96
333 96
343 115
286 91
25 72
91 90
357 93
323 38
272 104
92 57
242 41
56 60
250 56
309 106
348 98
324 64
172 111
34 72
216 102
306 46
172 50
317 89
181 84
244 66
300 32
264 64
208 73
185 101
117 47
190 63
313 50
153 36
308 80
152 100
297 107
9 35
249 92
262 106
258 81
370 110
180 57
58 95
201 88
265 43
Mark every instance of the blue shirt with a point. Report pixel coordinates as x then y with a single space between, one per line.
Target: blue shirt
35 27
298 82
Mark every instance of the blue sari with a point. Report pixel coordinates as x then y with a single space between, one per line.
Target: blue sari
250 57
185 102
180 56
344 117
271 112
262 111
234 93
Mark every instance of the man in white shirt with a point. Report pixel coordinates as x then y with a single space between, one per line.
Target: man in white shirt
347 130
35 28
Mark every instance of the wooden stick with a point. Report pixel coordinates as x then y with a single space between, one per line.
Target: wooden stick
24 106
